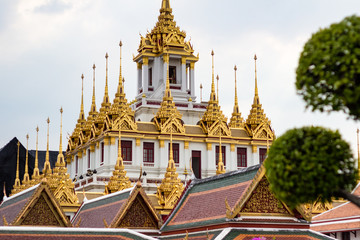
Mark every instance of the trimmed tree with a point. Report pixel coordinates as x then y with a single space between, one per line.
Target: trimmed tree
328 74
308 163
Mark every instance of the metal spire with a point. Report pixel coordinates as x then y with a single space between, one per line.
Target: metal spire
26 178
47 166
36 173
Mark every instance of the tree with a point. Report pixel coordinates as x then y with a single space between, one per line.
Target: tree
311 162
328 74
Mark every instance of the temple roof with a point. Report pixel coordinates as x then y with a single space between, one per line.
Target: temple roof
49 233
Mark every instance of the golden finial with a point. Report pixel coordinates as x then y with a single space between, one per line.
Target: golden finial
82 115
256 88
93 103
119 162
201 87
60 158
217 87
47 166
221 168
212 96
26 178
236 98
17 179
236 121
36 173
120 75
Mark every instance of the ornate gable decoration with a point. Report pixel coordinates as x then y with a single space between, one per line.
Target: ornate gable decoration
259 199
137 212
42 210
165 35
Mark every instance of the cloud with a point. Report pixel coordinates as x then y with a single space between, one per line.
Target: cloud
53 6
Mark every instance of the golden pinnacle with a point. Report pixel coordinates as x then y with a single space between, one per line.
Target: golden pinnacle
120 44
235 68
61 110
123 80
217 77
27 136
201 85
48 120
82 76
255 58
106 55
94 66
37 129
212 52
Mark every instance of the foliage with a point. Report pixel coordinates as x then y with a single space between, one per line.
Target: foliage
328 74
310 162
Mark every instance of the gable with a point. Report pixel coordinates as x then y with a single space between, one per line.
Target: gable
138 215
42 209
263 201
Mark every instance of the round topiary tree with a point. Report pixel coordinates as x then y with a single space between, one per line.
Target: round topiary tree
328 74
308 163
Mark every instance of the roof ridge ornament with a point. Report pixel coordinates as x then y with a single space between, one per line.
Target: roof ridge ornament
26 179
35 178
17 184
47 167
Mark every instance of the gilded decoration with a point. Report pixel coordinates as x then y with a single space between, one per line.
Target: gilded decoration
317 207
138 216
236 120
262 200
213 122
165 35
40 215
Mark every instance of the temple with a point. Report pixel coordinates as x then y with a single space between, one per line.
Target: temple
125 172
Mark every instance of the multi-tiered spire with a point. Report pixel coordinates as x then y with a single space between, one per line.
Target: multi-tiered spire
257 115
120 113
213 119
35 178
26 179
236 121
171 186
47 167
119 180
168 111
17 184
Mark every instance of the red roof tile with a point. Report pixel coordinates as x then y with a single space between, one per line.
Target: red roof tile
342 211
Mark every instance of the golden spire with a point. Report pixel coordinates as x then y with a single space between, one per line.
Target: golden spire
26 179
236 121
119 180
93 104
47 167
217 87
106 102
213 115
60 158
36 173
257 115
82 114
221 167
167 108
120 89
17 184
171 186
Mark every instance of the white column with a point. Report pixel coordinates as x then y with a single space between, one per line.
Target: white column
139 76
183 74
145 74
192 79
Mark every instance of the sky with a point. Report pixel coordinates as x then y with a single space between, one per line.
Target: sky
45 46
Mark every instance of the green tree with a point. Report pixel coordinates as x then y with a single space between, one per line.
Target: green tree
311 162
328 74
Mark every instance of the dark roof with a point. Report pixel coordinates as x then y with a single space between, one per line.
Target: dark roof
41 156
48 233
193 209
93 212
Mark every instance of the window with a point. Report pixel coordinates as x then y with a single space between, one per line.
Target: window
102 154
241 157
76 165
172 74
175 153
88 163
262 154
126 150
222 154
150 77
345 235
148 153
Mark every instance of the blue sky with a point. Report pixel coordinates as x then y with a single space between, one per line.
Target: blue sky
46 45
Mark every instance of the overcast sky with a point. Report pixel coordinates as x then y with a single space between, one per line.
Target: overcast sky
45 46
